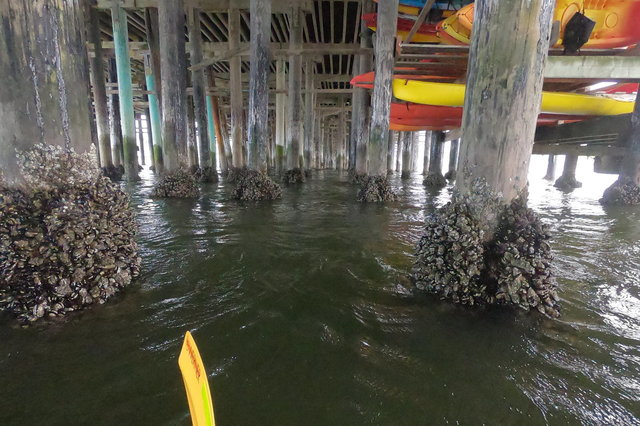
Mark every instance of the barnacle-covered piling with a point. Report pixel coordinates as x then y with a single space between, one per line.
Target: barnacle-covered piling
293 176
376 189
256 186
506 260
177 184
67 236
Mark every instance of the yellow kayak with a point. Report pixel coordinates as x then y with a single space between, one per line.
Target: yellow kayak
452 94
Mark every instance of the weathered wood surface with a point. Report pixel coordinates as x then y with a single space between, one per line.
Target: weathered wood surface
152 160
391 143
115 129
309 111
454 150
153 45
258 129
235 84
197 81
294 107
223 152
173 64
154 116
44 95
281 114
426 153
435 154
125 92
140 139
99 91
407 140
382 93
361 99
503 93
551 168
631 164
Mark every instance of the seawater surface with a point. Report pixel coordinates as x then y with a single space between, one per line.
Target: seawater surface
303 316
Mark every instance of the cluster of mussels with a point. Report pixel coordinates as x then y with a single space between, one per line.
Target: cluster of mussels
357 178
623 192
567 183
114 173
256 186
236 174
204 174
450 175
376 189
434 180
67 236
177 184
293 176
454 261
450 256
520 262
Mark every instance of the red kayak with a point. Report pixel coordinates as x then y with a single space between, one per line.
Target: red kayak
444 118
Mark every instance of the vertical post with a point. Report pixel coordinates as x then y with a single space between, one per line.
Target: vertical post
125 91
173 64
551 168
568 179
150 139
258 130
235 83
453 159
499 149
199 100
192 142
99 91
309 102
115 129
381 102
155 123
399 152
390 146
435 179
342 135
407 140
281 115
361 102
427 152
224 154
294 113
211 131
152 27
140 139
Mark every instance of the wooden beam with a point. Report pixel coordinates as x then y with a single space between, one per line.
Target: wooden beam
593 67
279 6
581 150
421 18
597 129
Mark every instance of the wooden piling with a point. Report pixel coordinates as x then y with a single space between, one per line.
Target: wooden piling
281 115
235 86
45 93
567 181
99 91
427 153
125 91
115 129
407 140
173 66
381 102
454 149
435 155
501 108
360 121
150 139
154 117
224 151
551 168
294 107
140 139
199 97
391 143
309 110
192 142
258 130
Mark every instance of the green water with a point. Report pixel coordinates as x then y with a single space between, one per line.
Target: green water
302 314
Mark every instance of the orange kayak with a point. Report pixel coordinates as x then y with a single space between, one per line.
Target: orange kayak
617 22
